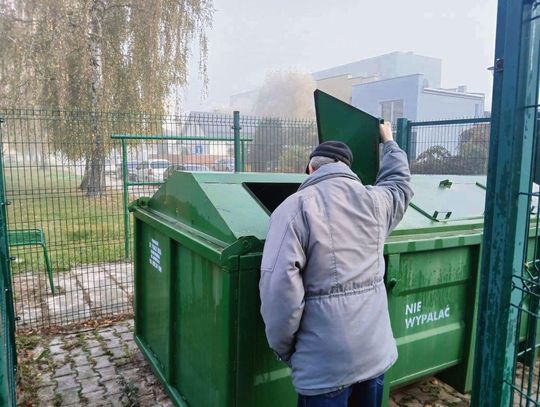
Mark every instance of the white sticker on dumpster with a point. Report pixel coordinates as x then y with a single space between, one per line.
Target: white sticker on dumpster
155 255
415 317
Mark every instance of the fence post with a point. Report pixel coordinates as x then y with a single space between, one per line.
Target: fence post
125 186
503 279
8 352
237 152
403 134
243 162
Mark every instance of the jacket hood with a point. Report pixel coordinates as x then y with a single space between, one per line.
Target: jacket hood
327 171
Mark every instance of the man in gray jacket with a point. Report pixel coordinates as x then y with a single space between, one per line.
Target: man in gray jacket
323 297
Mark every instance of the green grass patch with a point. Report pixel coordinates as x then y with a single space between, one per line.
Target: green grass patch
34 178
28 342
78 229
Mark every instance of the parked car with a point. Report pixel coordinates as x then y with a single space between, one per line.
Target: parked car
194 167
184 167
152 170
223 164
131 168
110 167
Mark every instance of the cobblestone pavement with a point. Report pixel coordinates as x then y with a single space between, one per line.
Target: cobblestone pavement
429 393
104 367
101 367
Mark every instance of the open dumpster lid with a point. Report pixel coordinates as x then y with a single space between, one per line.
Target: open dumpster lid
337 120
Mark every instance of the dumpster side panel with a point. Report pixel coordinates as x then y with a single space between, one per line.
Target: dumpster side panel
263 381
185 312
431 309
460 376
203 331
153 293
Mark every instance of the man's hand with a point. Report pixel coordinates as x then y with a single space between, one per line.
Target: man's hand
386 132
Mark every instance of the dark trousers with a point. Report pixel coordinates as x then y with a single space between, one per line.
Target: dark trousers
363 394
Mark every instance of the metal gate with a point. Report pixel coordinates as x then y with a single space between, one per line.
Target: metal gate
506 370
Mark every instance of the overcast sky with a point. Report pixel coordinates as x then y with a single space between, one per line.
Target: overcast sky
251 37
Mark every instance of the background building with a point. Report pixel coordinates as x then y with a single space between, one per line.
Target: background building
388 66
400 84
341 86
408 96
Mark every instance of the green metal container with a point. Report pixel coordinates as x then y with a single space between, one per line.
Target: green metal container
198 245
432 263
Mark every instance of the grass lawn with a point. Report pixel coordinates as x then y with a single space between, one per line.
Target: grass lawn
78 229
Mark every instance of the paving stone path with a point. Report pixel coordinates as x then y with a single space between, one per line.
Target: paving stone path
82 293
101 367
104 367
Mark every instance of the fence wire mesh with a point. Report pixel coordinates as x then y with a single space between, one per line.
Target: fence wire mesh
64 180
458 147
525 383
64 177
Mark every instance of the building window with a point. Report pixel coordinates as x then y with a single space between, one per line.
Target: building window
391 110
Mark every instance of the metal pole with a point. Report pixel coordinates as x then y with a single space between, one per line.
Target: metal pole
402 134
236 128
243 162
515 104
169 137
411 142
125 187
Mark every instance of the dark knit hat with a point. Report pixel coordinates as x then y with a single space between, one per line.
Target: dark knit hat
333 149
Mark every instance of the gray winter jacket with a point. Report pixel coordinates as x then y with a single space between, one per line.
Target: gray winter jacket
323 298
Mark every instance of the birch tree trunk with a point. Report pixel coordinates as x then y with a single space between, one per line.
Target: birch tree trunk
94 176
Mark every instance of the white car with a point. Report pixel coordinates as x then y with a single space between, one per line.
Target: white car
110 167
152 170
184 167
194 167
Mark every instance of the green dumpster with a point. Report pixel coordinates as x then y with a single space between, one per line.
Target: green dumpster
198 250
432 261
